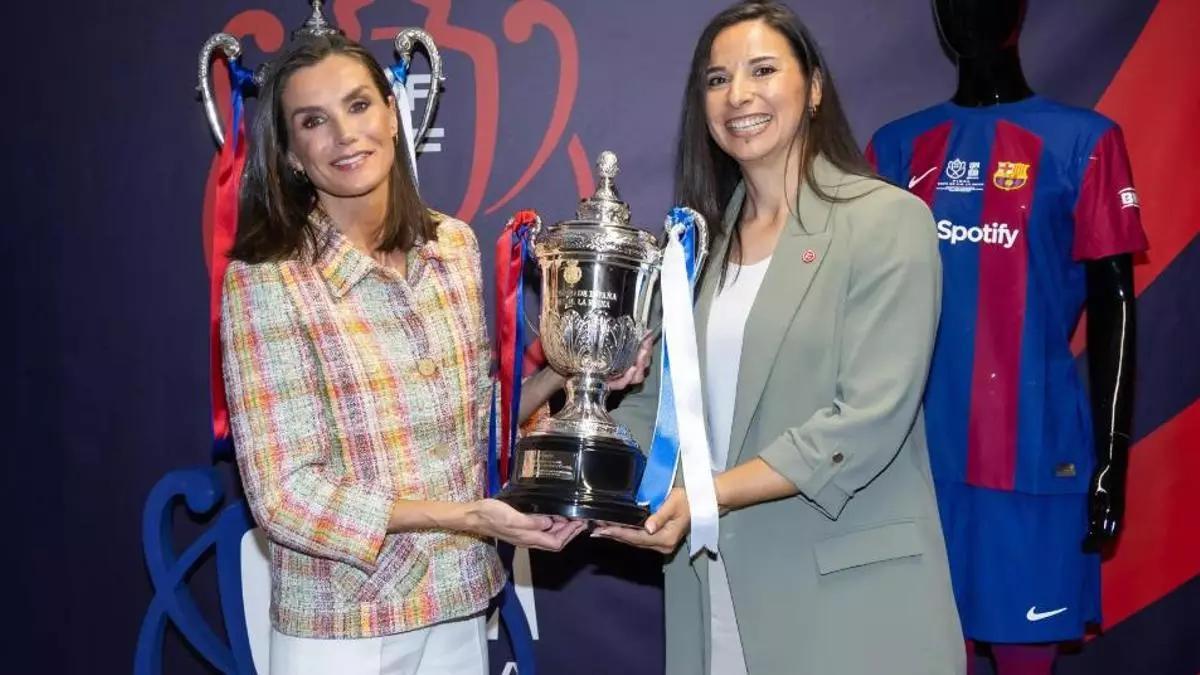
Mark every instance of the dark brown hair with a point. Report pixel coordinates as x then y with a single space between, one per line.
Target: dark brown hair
705 176
274 203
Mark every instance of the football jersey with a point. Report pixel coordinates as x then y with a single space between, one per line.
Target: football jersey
1022 194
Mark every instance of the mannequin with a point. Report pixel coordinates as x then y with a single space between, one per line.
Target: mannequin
1035 207
983 36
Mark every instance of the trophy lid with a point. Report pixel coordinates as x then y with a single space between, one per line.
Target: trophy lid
601 226
316 25
605 206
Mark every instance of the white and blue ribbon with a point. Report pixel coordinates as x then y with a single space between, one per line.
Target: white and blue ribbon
680 432
398 76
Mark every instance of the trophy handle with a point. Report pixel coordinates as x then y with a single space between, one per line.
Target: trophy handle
406 41
535 231
702 242
232 49
701 236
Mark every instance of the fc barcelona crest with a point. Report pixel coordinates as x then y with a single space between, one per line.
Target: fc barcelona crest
1010 175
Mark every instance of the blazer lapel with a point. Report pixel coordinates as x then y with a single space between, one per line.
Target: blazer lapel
798 257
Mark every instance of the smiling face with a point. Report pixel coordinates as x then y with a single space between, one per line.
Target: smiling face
755 94
341 130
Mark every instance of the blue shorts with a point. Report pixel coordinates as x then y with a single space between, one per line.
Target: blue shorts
1016 562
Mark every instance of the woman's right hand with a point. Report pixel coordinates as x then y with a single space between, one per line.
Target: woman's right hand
495 519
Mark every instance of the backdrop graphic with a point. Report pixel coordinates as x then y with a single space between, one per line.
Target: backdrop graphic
110 174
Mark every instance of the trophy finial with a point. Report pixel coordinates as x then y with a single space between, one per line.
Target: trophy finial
316 25
607 165
605 205
608 168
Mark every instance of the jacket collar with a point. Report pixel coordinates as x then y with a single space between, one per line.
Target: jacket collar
342 265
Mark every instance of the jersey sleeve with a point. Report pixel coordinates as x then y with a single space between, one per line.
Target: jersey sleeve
1108 218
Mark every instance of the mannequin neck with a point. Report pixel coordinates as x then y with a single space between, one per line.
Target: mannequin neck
991 79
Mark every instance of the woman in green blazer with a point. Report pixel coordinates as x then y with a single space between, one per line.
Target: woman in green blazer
826 281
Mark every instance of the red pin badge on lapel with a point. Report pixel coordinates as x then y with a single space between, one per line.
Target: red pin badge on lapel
809 255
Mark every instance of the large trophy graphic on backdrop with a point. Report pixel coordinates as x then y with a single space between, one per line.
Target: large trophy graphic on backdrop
598 275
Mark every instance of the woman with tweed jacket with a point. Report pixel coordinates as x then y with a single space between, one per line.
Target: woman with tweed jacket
356 367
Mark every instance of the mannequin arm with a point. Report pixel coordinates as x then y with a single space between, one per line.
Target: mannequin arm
1110 337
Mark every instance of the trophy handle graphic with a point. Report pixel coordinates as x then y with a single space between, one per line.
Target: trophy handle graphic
405 43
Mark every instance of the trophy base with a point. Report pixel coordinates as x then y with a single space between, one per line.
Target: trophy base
576 477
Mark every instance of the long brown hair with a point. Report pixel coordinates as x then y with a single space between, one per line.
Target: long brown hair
705 176
274 203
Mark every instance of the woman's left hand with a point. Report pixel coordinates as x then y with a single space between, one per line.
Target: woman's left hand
636 373
663 530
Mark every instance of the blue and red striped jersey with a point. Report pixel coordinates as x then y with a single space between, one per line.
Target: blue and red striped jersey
1022 194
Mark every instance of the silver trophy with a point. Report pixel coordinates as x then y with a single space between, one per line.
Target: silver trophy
598 275
405 44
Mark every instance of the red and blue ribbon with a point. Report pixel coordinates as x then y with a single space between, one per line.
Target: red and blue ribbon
512 249
230 162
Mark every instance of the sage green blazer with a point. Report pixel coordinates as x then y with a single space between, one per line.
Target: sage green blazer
850 576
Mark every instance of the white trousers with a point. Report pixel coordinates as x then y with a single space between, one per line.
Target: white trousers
451 648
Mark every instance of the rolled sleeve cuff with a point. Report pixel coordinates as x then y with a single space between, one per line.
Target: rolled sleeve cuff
351 529
814 483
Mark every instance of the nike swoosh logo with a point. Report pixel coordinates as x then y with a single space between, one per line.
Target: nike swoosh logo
917 179
1034 615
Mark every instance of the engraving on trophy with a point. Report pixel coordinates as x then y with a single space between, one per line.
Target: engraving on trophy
629 244
586 298
592 342
555 464
571 273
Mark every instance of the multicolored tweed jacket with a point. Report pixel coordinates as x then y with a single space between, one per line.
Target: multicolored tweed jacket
350 387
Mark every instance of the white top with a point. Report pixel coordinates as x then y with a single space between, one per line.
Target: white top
723 351
722 357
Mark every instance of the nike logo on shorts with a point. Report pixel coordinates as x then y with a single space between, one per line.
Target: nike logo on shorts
1034 615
